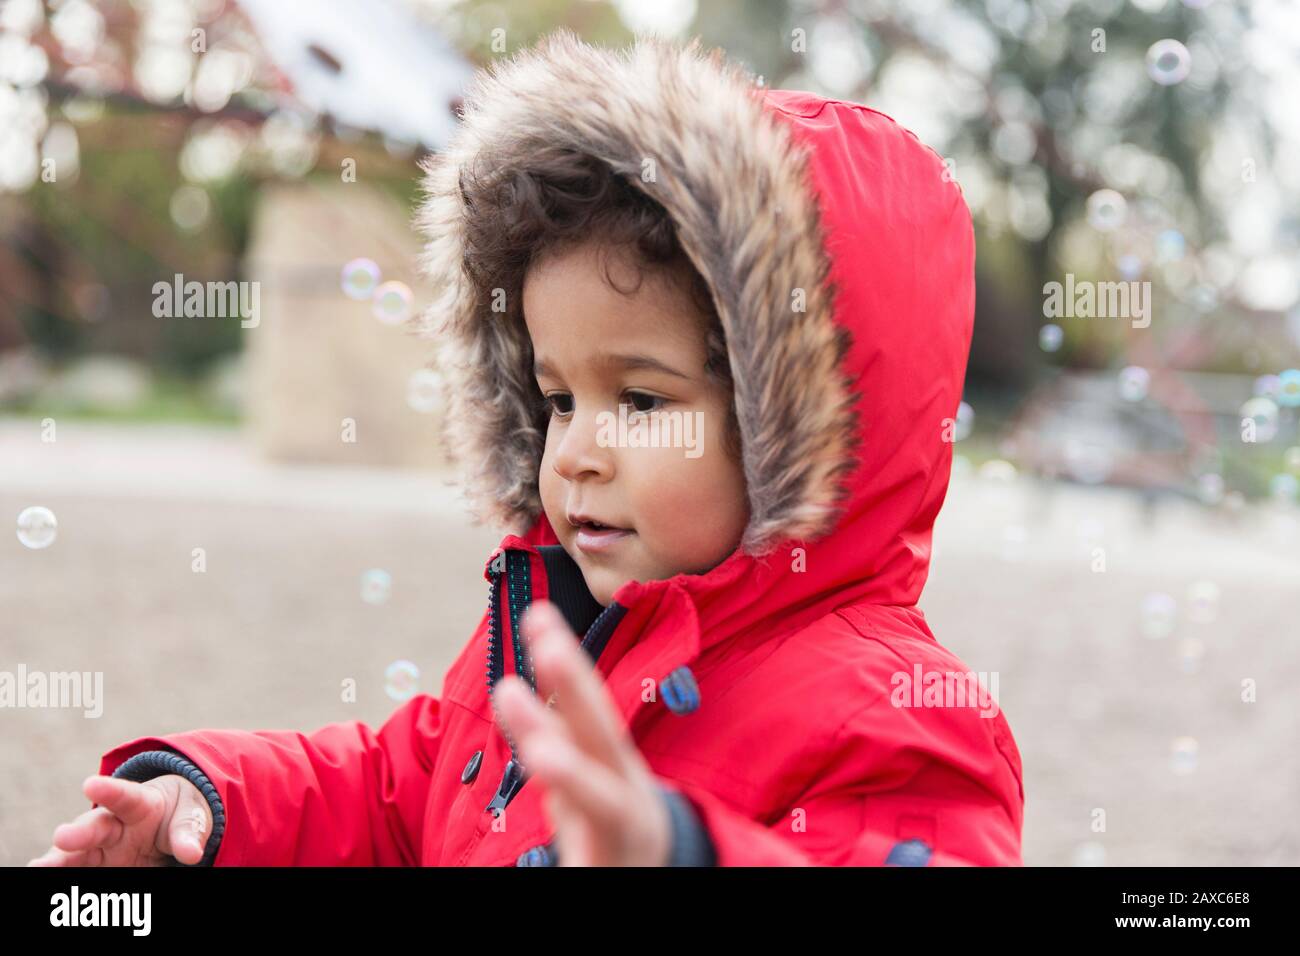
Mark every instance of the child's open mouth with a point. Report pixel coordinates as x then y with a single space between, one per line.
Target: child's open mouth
594 537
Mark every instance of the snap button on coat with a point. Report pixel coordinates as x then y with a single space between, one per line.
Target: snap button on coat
471 769
680 692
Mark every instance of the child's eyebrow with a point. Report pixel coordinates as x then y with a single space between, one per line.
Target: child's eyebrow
618 360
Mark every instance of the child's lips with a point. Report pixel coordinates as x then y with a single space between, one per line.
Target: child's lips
591 541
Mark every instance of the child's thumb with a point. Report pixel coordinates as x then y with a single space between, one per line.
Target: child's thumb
190 825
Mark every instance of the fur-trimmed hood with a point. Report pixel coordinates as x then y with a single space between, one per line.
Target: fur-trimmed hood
841 260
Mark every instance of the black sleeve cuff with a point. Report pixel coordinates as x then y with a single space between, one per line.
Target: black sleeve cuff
692 845
157 763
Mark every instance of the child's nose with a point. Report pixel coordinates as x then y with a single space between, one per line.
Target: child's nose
583 449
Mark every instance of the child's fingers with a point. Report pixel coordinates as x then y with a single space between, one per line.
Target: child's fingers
56 857
130 802
95 827
590 789
581 699
186 834
526 719
574 842
520 711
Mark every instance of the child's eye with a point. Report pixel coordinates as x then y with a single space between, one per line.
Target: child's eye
550 401
655 401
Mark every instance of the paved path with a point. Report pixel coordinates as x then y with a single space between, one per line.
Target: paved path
265 637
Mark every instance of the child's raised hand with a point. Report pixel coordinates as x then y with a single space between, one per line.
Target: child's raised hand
135 824
601 795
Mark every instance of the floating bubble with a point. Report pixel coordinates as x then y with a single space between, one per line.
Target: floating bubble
401 680
1159 612
1203 297
1182 755
190 207
360 278
1088 462
1170 245
424 391
1091 853
1283 488
1190 652
1209 487
1268 385
997 470
392 302
37 527
1168 62
1133 383
1129 265
1107 210
1203 601
376 586
1288 388
1264 413
1050 337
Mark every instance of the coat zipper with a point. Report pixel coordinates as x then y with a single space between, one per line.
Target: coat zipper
513 567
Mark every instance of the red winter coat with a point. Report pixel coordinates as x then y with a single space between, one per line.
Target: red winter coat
841 258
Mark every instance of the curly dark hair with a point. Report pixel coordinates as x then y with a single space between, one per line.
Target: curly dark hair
565 198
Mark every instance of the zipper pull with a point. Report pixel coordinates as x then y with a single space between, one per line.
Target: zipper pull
512 778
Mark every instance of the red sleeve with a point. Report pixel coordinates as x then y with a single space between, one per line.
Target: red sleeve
947 779
343 795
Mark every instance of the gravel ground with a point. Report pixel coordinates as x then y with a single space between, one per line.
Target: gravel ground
266 635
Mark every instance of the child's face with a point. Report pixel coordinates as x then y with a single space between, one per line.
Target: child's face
684 507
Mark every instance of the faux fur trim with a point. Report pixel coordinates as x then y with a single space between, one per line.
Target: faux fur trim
736 182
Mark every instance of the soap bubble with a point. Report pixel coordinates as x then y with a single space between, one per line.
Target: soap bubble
1089 462
1159 612
401 680
392 302
1107 210
1133 383
1264 413
424 390
1170 245
1190 652
1182 755
1283 487
1050 337
1267 385
1288 388
190 207
37 527
1168 62
1203 297
360 278
1091 853
1210 488
376 585
1203 601
1129 265
998 471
